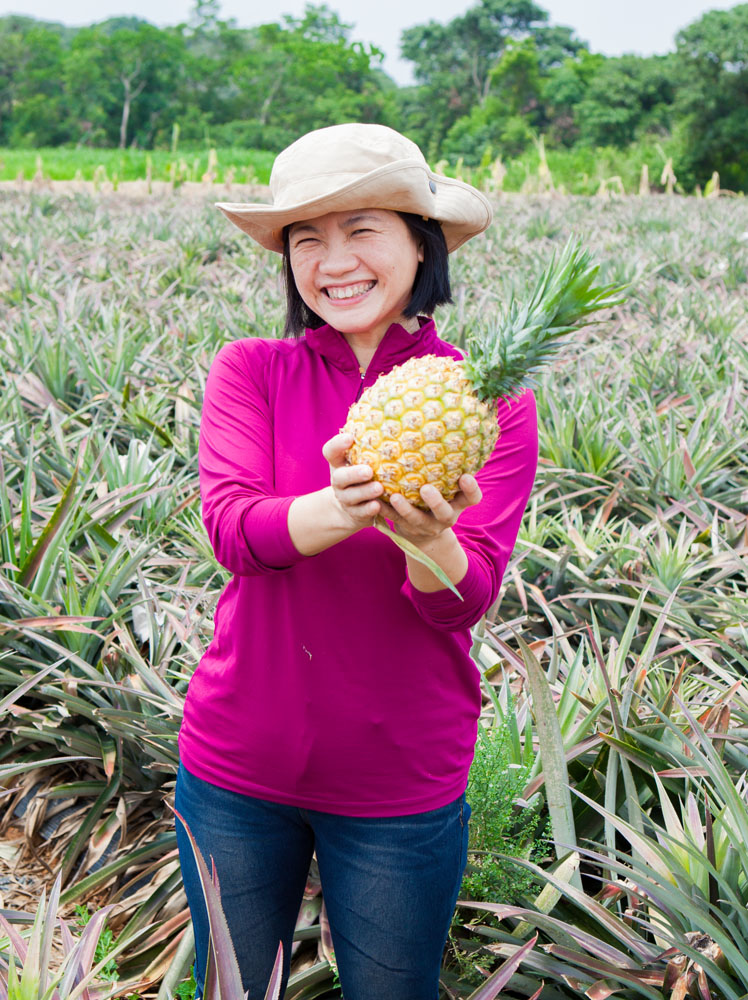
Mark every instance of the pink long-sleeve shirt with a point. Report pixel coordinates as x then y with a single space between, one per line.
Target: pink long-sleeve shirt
331 682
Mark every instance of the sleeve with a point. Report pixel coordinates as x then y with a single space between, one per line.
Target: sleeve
246 523
488 531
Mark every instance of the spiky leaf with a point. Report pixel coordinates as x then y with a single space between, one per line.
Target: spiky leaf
505 357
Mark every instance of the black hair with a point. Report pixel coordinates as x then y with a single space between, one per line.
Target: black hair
430 288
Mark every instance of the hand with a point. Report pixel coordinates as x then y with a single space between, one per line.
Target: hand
423 527
354 491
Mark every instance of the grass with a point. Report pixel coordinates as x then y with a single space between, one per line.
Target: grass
582 171
622 610
67 164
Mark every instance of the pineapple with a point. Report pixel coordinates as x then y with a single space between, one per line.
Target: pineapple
432 418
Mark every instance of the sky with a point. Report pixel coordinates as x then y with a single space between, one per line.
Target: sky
612 27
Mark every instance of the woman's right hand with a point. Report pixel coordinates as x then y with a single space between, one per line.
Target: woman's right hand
354 491
318 520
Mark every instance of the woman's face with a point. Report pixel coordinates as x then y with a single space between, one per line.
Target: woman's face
355 269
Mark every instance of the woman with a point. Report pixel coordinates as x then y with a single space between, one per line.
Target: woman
336 708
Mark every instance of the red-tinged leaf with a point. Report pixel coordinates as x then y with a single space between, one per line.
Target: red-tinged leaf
109 757
86 950
101 838
161 963
496 983
45 949
325 938
592 908
309 912
553 926
602 989
610 504
228 981
671 401
165 931
54 623
17 942
703 985
274 986
211 990
688 464
681 987
68 941
683 772
647 976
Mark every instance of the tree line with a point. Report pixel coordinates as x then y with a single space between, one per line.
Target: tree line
487 83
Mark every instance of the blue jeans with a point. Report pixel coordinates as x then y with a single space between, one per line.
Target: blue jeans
390 886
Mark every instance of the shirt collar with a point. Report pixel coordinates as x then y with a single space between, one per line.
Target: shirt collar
397 345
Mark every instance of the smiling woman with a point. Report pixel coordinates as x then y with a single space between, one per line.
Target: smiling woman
430 287
356 271
305 727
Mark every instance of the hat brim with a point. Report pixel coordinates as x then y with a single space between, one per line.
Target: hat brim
402 186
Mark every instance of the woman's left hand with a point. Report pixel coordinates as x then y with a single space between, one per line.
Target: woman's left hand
425 526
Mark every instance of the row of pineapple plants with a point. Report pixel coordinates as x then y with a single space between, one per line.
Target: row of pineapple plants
613 668
644 168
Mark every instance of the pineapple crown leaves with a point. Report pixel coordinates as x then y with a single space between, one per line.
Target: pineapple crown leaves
505 357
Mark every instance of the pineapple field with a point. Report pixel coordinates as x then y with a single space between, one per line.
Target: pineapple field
609 837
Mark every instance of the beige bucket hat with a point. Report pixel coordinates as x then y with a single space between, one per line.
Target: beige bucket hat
359 166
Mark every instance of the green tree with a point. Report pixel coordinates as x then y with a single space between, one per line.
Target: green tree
301 74
712 101
456 63
39 112
627 97
564 88
503 123
124 84
32 111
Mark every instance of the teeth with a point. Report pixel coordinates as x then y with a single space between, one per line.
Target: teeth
350 290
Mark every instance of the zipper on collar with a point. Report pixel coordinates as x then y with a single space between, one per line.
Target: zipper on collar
360 384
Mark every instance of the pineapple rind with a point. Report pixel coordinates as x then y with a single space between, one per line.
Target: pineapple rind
421 423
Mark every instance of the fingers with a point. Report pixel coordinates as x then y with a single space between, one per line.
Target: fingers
350 475
352 496
354 489
423 525
431 522
336 449
470 492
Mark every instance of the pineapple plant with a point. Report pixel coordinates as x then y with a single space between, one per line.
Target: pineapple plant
432 419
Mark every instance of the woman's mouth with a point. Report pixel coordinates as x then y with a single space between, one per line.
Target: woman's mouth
349 291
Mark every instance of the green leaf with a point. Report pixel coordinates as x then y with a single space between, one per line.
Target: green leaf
415 553
34 558
553 756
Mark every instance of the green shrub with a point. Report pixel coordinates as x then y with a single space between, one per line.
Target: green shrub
499 823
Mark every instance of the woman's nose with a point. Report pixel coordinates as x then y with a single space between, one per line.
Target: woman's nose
338 257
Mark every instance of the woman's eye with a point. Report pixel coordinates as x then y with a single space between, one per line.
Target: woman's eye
356 232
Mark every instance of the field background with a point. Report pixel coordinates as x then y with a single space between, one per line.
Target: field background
609 833
493 87
589 171
614 665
